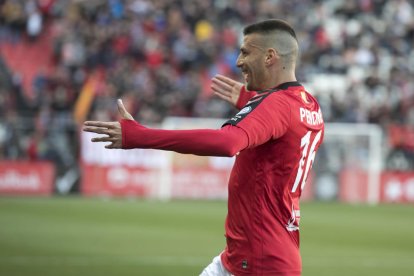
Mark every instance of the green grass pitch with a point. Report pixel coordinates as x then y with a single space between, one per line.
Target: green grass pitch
78 236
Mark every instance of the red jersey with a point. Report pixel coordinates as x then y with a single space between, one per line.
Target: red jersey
284 128
277 134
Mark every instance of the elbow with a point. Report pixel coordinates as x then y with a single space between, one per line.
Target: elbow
228 154
231 151
234 141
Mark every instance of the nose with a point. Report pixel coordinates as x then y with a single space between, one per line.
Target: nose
239 62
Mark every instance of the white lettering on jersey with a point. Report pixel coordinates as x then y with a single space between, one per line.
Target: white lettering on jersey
306 159
310 117
293 223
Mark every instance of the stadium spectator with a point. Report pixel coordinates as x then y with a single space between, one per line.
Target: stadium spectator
364 45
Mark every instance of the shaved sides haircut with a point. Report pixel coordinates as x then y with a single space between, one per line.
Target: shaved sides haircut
269 26
278 34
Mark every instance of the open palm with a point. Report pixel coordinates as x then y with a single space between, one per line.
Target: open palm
112 130
226 89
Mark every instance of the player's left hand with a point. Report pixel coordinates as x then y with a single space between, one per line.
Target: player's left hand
226 89
112 130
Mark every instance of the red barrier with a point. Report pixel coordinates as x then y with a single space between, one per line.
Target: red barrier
397 187
26 178
119 181
353 186
199 183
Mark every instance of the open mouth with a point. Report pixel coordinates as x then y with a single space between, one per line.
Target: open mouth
245 76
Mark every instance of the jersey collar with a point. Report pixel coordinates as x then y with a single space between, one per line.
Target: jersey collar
282 86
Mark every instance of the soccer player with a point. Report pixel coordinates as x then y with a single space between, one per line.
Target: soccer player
275 136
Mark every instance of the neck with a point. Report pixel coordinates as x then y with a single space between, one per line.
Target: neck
277 78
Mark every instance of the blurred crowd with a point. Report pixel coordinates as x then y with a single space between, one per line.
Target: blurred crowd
357 57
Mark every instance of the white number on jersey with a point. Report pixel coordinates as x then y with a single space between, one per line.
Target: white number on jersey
306 161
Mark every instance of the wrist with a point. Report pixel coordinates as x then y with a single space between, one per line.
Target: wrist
241 101
129 128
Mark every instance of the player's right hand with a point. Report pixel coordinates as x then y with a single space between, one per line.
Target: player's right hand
122 111
226 89
111 131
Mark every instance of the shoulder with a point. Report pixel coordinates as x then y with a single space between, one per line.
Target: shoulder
263 105
298 96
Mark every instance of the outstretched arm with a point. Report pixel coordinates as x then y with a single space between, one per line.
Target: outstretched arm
128 134
231 91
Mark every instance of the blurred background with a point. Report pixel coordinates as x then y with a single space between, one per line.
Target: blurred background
64 62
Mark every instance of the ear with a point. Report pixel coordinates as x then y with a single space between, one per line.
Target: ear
271 56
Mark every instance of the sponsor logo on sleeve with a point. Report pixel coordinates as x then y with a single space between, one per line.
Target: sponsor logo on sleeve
251 105
245 110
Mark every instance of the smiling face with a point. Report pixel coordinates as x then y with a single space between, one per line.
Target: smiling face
252 62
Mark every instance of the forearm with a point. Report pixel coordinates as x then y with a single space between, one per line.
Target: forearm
226 141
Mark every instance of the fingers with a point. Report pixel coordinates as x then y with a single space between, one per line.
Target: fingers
222 96
220 90
112 130
115 143
112 135
122 110
221 84
225 79
98 130
113 146
104 139
99 124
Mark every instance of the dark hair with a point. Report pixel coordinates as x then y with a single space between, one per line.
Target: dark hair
268 26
